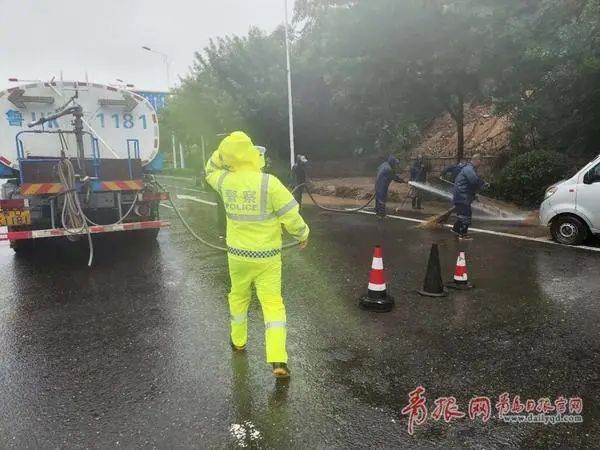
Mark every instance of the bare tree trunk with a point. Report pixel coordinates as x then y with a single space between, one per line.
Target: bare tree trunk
456 108
532 132
460 128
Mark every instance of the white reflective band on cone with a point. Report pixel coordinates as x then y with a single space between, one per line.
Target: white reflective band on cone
377 264
376 287
461 278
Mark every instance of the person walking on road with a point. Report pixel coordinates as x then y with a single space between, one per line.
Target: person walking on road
257 205
418 173
466 186
386 173
299 178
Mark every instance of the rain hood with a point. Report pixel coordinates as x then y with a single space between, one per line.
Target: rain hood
238 153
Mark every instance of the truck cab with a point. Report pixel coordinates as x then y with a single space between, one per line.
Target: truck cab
571 208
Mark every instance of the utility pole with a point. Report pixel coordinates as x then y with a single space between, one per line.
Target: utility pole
174 151
181 158
166 61
203 146
289 86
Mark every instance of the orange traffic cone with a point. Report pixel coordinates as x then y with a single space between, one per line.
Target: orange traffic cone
461 277
377 298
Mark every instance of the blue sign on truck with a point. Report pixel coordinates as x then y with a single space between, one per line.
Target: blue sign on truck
156 98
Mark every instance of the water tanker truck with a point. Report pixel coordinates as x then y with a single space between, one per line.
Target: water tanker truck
75 159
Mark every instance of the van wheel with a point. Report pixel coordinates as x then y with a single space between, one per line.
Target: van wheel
569 230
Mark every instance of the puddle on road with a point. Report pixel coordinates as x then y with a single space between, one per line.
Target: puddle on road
245 434
340 354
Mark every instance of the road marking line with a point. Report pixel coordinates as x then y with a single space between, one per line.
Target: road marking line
407 219
540 240
196 199
177 178
496 233
185 188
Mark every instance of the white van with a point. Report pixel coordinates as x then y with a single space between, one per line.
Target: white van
571 208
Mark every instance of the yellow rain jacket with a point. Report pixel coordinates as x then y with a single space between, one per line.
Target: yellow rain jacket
257 204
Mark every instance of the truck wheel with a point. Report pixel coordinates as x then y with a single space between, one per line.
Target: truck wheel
22 247
147 235
569 230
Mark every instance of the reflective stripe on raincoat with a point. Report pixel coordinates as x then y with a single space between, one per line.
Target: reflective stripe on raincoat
256 204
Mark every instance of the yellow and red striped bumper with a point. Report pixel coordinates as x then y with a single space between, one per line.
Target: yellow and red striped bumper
29 189
40 188
127 185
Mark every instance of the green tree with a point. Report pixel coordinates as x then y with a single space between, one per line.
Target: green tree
550 82
395 64
235 83
373 74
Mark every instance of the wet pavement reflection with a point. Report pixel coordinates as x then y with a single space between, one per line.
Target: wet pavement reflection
134 352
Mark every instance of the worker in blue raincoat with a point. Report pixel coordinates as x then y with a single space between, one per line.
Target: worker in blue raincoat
466 186
299 178
451 172
386 173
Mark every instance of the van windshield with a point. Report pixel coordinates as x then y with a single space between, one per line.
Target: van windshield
590 165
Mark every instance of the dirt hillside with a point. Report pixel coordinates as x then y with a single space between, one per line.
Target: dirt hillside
485 132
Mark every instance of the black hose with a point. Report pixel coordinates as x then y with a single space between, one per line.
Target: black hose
196 236
326 208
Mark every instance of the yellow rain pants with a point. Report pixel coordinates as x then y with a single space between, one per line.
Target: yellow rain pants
265 275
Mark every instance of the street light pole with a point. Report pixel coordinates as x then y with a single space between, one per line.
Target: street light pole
181 158
289 86
166 61
174 151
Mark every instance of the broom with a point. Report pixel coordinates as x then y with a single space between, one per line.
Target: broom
436 220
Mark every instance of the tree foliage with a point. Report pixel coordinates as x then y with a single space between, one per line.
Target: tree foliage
370 75
552 84
526 177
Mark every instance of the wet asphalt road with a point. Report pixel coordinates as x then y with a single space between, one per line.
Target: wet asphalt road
134 352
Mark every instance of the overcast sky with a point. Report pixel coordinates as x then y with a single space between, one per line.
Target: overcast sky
39 38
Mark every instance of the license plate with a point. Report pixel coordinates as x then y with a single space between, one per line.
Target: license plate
15 217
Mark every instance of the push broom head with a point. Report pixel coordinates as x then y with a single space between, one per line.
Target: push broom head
436 221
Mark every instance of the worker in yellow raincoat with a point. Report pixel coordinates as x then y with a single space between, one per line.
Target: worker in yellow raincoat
257 205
